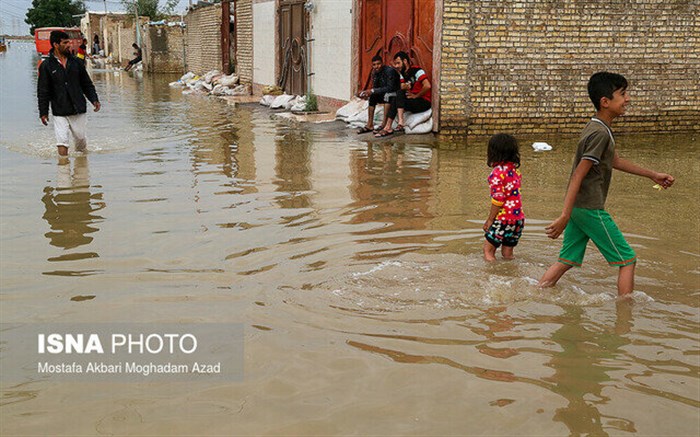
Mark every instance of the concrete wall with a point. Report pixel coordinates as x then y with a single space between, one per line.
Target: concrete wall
523 66
90 25
244 37
264 42
203 39
118 34
331 56
163 49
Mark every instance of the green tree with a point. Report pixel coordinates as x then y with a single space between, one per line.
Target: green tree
54 13
150 8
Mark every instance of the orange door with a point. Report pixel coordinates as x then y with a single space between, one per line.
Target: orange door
389 26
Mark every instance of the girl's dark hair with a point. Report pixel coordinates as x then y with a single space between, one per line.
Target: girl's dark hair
503 148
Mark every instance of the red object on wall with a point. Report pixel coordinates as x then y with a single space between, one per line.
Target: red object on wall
389 26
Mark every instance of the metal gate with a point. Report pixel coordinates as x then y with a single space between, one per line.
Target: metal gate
293 28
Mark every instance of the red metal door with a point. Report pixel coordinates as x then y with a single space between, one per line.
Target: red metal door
389 26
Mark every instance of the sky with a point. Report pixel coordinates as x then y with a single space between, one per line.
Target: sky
13 13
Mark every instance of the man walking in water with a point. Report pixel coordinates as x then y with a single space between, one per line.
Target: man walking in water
64 83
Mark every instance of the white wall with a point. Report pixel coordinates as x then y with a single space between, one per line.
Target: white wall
264 43
331 57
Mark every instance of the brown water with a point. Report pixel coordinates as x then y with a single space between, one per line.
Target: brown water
354 266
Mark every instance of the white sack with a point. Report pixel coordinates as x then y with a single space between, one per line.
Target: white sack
267 100
281 101
352 108
412 120
423 128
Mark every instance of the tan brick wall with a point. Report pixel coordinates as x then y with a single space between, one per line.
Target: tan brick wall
244 36
163 49
119 33
523 66
203 39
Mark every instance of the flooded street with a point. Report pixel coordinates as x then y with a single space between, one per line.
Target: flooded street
355 267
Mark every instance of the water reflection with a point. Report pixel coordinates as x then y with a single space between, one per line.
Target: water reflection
392 183
582 369
292 167
70 209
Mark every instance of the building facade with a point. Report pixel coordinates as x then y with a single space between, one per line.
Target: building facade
520 66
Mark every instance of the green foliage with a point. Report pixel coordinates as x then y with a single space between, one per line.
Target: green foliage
54 13
311 101
150 8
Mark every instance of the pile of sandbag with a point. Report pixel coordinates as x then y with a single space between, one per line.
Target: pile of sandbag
355 114
213 83
284 101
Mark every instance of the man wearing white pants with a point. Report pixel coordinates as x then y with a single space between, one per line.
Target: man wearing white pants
64 84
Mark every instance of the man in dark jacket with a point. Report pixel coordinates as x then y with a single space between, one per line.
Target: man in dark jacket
385 83
64 83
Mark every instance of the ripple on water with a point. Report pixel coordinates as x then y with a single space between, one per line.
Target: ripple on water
417 282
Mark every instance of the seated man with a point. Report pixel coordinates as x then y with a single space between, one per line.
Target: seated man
137 57
385 84
414 95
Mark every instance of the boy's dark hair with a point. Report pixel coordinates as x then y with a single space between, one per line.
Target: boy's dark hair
57 36
604 84
134 45
503 148
377 58
402 55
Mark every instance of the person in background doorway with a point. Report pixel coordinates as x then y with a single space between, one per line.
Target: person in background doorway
137 57
385 84
95 45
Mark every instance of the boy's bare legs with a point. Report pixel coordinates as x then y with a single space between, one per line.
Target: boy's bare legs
62 150
507 252
625 280
552 276
489 251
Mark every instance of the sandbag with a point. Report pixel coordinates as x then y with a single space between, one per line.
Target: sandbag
228 81
423 128
240 90
273 90
267 100
281 101
209 76
412 120
362 116
187 76
352 108
219 90
299 104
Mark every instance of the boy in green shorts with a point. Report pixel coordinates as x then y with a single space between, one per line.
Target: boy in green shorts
583 215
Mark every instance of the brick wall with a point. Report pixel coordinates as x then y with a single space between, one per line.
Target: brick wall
119 33
244 40
522 66
163 49
203 39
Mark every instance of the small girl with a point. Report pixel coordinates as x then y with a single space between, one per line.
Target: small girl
506 220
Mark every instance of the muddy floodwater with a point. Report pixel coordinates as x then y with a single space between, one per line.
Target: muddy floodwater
354 266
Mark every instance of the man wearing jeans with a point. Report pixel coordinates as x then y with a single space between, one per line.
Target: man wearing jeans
64 83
